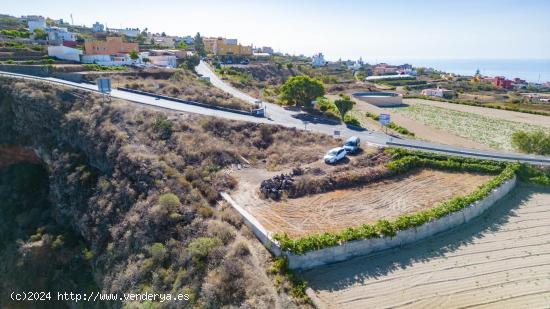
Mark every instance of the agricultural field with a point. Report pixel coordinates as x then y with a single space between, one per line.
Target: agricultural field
336 210
498 261
495 133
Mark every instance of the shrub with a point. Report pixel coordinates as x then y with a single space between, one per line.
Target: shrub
350 120
537 142
202 246
169 201
163 127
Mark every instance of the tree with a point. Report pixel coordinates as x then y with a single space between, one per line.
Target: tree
537 142
182 45
301 90
199 45
289 65
344 105
192 61
134 55
40 34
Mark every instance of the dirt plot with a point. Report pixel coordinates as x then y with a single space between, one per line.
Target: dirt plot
340 209
501 260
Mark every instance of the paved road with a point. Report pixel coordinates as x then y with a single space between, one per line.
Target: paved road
278 115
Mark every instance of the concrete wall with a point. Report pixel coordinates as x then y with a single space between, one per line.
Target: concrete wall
257 228
366 246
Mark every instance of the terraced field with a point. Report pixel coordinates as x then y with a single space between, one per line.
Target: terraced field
339 209
493 132
501 260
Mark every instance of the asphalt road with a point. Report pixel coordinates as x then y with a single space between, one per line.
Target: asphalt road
281 116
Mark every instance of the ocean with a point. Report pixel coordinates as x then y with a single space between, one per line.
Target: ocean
532 70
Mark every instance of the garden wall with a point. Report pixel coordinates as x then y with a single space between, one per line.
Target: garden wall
366 246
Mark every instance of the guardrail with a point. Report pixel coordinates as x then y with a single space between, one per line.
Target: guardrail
210 106
544 161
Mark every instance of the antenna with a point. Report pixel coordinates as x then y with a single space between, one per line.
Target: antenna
72 21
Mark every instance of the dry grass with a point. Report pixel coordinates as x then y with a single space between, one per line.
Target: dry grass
182 84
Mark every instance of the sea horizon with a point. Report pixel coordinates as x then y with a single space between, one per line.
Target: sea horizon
531 70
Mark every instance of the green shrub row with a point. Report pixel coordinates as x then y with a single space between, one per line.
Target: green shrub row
387 228
392 125
472 103
529 173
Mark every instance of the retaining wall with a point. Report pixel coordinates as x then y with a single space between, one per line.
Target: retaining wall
366 246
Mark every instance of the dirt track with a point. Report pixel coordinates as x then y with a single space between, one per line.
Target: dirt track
501 260
337 210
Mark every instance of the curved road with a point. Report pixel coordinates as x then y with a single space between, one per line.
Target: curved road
281 116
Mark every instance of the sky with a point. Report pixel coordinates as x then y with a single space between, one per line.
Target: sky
375 30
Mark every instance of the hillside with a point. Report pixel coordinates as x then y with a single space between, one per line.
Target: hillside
138 189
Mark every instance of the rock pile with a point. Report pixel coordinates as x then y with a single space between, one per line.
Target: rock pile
274 187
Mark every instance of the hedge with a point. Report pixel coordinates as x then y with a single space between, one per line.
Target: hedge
404 161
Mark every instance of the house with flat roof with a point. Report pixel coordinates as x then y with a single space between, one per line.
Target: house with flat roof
112 45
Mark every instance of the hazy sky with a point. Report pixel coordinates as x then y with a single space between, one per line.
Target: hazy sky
375 30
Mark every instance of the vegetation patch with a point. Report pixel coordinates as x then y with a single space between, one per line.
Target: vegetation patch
493 132
394 126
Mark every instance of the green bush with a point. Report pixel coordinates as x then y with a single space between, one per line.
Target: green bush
537 142
202 246
350 120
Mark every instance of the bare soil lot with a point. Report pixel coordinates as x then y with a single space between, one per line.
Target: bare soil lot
340 209
501 260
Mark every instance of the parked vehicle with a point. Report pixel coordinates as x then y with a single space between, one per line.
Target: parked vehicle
335 155
352 145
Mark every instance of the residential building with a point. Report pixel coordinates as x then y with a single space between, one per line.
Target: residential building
318 60
385 69
267 50
108 60
161 58
188 40
501 81
64 53
226 47
438 92
113 45
97 27
60 34
164 41
36 22
131 32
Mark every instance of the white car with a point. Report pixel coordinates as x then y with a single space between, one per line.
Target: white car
335 155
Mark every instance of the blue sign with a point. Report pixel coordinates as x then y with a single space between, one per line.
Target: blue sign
384 119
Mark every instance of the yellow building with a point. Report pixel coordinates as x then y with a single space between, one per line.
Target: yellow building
226 47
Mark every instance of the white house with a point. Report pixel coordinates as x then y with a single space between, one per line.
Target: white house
438 92
107 60
131 32
36 22
64 53
318 60
97 27
61 34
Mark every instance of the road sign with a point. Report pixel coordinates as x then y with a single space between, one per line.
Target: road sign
104 85
384 119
